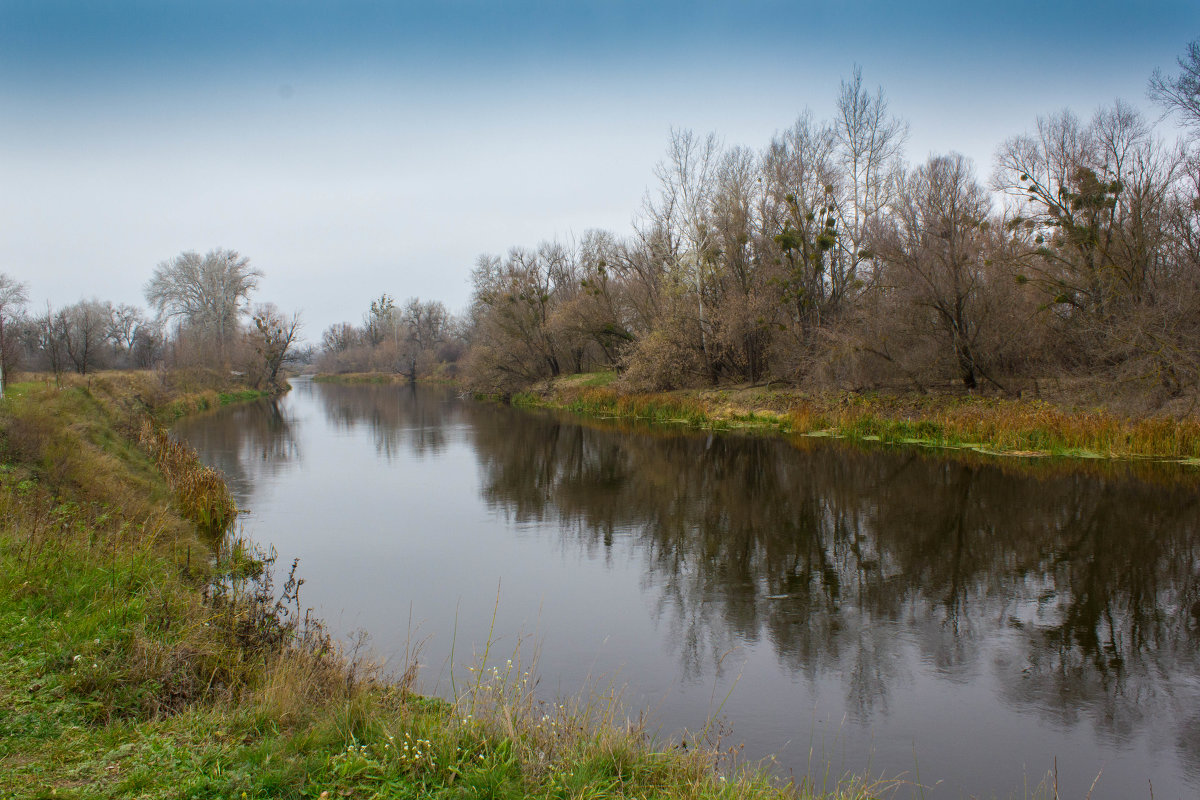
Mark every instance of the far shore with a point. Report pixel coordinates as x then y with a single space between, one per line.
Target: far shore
1014 427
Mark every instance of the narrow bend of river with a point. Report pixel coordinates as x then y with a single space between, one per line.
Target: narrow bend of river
846 608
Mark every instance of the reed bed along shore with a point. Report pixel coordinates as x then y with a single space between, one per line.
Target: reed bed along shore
1018 427
147 652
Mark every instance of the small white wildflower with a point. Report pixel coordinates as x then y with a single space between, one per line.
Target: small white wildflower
77 658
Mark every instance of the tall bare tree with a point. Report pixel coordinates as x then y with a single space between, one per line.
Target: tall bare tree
208 293
686 182
800 215
870 146
934 244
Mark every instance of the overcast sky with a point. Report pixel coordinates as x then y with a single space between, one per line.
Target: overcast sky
354 148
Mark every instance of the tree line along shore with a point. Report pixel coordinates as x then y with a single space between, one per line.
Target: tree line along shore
1056 301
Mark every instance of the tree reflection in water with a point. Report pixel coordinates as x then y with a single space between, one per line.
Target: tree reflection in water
400 418
248 439
1086 586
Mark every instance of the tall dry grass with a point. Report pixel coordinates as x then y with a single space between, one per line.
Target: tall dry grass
998 424
199 491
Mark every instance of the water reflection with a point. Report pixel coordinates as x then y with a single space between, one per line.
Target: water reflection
1063 606
1087 590
401 419
250 440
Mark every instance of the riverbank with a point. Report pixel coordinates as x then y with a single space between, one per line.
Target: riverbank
991 425
145 653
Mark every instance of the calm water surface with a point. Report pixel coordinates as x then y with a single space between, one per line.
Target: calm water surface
881 610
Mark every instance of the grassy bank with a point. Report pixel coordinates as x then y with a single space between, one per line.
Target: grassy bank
146 653
1018 427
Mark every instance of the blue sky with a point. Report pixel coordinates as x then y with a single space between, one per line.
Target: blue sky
355 148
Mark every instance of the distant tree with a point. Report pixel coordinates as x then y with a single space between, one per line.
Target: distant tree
85 334
123 323
13 297
208 293
52 331
742 311
513 341
380 320
595 315
147 346
425 326
275 334
339 337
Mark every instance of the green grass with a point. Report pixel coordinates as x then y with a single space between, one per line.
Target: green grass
241 396
139 659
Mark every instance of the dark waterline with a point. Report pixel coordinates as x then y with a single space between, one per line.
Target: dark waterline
886 610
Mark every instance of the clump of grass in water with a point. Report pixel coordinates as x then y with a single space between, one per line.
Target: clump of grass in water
200 491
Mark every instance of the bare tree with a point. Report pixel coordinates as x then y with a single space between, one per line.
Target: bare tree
147 346
52 329
600 310
1181 93
340 337
13 297
86 333
275 335
934 245
870 144
742 311
686 179
800 215
514 342
425 327
124 321
209 294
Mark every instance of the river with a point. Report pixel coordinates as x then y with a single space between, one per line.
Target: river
967 624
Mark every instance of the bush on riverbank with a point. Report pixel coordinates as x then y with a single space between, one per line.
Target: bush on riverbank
141 658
